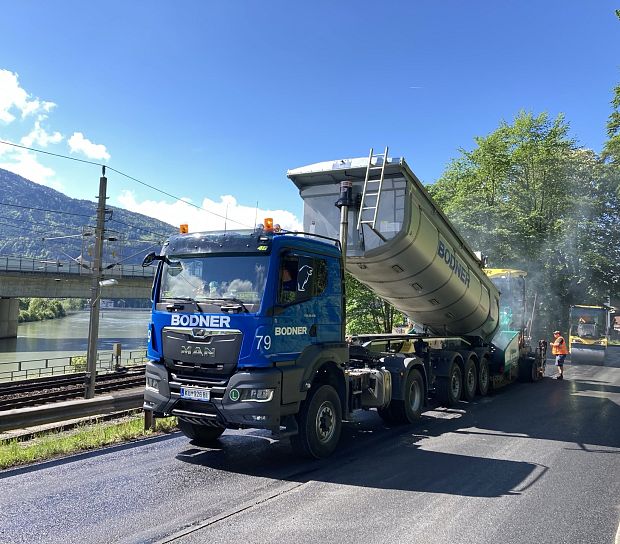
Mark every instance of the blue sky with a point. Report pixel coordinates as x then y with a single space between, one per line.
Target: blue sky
214 101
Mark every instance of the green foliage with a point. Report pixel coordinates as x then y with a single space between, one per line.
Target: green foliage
38 309
528 197
366 312
611 151
85 437
72 304
78 363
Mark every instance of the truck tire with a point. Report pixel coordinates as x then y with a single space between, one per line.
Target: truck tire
319 422
483 377
202 435
470 380
449 388
409 409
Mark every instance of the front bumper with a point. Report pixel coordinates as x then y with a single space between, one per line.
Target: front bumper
162 396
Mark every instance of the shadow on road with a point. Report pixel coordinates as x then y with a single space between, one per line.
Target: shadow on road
578 412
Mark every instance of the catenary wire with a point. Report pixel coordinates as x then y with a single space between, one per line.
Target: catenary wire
127 176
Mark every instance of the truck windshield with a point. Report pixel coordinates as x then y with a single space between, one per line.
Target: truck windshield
216 278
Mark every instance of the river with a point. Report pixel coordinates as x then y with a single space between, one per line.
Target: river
68 336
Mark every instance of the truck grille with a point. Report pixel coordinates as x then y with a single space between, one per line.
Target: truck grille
196 354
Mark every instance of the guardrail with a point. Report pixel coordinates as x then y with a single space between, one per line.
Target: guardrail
14 263
63 411
36 368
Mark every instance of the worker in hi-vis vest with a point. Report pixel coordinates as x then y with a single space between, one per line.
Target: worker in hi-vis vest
560 350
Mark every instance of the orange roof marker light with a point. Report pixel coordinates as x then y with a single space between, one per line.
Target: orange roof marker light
268 224
183 229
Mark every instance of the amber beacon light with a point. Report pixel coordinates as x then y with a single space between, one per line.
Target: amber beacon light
183 229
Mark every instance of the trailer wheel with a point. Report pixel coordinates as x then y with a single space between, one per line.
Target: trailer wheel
483 377
202 435
449 388
470 380
409 409
320 423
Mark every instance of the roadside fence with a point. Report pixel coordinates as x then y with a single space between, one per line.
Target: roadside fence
107 361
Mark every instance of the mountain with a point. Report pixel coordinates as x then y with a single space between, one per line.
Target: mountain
39 222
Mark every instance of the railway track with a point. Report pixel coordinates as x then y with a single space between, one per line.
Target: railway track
36 392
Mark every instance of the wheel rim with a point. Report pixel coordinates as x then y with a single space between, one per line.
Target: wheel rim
415 396
455 385
471 380
325 422
484 376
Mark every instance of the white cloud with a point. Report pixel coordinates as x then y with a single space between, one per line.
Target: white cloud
26 164
39 136
79 144
180 212
12 96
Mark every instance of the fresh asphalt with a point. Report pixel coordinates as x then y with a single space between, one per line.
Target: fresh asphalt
532 463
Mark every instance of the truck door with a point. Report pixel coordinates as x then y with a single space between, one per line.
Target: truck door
304 312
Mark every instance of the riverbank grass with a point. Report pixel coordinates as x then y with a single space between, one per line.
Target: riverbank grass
82 438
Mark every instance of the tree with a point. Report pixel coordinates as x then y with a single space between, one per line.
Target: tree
530 198
366 312
611 151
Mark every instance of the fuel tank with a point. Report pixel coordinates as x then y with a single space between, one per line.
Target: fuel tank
412 256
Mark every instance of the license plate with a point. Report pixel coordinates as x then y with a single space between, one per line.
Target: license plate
195 393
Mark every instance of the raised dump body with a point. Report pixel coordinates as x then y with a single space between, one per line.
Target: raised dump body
409 253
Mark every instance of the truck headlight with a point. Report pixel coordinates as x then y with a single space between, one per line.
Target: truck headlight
257 395
152 383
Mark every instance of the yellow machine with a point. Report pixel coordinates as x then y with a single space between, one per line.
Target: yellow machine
588 333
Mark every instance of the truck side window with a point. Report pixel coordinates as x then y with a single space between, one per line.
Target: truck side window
287 288
320 276
297 279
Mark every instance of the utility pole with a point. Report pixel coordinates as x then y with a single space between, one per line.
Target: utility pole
95 291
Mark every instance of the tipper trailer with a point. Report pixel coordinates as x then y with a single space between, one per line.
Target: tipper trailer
248 327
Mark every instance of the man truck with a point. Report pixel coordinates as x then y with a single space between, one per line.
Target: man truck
248 327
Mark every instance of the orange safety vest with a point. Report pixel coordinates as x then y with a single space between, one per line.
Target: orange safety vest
559 347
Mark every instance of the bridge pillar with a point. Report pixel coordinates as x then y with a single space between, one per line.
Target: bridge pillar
9 312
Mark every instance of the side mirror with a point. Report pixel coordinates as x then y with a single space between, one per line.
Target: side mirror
148 260
174 268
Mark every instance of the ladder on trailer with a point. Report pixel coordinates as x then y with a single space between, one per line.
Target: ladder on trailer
371 194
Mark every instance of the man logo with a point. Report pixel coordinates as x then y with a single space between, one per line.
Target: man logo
197 350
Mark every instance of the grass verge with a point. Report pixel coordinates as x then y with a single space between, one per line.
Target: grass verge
82 438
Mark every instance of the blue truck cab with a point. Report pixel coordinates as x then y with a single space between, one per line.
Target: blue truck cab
242 321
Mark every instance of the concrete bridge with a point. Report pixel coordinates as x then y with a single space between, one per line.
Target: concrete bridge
22 277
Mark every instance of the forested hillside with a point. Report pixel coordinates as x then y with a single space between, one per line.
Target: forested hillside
36 221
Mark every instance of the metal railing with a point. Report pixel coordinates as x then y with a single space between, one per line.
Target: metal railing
12 263
37 368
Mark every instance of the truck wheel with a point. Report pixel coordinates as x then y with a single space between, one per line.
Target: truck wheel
470 381
320 423
202 435
410 409
449 388
483 377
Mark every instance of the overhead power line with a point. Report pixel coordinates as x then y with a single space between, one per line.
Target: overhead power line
45 209
128 177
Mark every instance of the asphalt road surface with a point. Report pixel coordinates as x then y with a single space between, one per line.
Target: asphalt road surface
533 463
